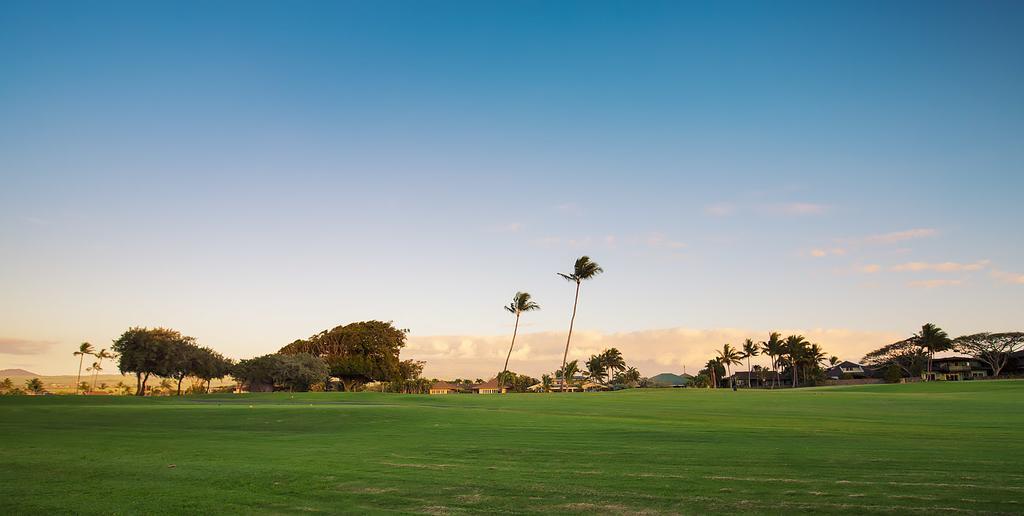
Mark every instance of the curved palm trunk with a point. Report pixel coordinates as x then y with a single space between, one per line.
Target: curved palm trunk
507 357
78 385
569 338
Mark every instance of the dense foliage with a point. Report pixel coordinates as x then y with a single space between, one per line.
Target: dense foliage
359 352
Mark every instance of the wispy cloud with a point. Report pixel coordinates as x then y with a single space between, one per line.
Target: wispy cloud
900 236
940 267
720 209
870 268
569 208
660 241
935 283
821 253
1008 277
15 346
791 209
512 227
795 208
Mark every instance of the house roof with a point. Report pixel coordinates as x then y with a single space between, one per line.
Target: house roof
446 385
953 359
489 384
847 363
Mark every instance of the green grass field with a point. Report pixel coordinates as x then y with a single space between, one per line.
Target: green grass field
886 448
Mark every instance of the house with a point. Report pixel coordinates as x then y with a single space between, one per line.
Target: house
489 387
671 380
846 370
955 369
594 387
762 378
445 388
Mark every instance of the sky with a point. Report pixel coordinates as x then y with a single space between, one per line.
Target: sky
250 173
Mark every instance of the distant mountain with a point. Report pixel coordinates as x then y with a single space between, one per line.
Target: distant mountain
15 372
672 379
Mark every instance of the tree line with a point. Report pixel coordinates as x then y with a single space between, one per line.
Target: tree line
793 356
914 355
355 354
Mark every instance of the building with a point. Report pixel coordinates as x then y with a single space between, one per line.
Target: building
761 378
847 370
955 369
445 388
489 387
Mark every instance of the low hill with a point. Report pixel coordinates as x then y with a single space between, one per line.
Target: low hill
15 372
671 379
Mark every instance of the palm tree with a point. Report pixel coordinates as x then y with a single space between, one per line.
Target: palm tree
583 269
520 303
794 348
630 376
729 355
749 350
833 360
545 382
83 349
933 340
613 361
100 356
773 348
712 367
567 373
813 357
596 368
96 368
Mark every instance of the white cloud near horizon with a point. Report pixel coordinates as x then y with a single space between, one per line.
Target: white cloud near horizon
651 351
15 346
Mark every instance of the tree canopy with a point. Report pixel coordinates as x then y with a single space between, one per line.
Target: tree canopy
359 352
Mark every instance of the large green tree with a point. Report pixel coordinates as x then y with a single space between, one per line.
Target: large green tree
520 304
583 269
993 349
147 352
357 353
905 355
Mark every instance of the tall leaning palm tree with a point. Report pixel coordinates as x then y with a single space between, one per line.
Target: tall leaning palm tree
749 350
583 269
521 302
773 348
729 355
83 349
932 339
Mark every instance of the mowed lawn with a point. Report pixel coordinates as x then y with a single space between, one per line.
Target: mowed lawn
887 448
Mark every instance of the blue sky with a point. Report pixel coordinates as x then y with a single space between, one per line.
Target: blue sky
253 172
